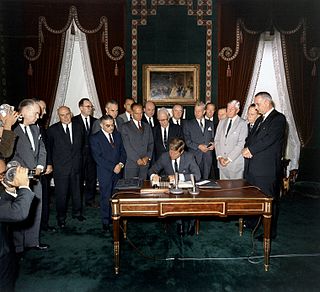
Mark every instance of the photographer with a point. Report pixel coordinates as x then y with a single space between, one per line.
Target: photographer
8 117
15 202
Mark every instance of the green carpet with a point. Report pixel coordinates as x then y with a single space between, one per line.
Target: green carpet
154 258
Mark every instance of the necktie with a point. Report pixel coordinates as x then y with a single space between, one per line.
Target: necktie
165 139
201 125
130 117
26 133
139 125
87 125
68 134
178 123
150 122
176 168
111 140
229 127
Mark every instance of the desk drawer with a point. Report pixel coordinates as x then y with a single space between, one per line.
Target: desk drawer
195 208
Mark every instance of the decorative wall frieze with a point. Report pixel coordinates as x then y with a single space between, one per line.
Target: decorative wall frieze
142 9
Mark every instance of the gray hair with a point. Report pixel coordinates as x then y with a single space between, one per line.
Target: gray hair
235 103
163 110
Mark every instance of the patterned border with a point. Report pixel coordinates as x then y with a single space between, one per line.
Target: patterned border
3 75
140 11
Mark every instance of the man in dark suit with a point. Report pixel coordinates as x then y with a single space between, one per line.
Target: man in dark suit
88 179
138 142
177 115
14 207
111 109
252 116
30 152
263 152
108 152
199 135
127 115
65 148
177 160
164 133
149 114
210 109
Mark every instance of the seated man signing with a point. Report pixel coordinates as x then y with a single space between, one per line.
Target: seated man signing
184 163
176 160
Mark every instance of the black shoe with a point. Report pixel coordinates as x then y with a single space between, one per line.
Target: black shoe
260 237
80 218
40 246
191 229
180 229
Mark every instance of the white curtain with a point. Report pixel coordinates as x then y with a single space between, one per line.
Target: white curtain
269 75
76 78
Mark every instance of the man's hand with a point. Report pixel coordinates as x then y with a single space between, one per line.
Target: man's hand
140 162
246 153
9 120
117 169
211 146
171 179
156 178
49 169
203 148
21 178
38 171
222 161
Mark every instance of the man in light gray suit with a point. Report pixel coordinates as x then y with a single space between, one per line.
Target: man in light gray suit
229 141
199 136
138 142
30 152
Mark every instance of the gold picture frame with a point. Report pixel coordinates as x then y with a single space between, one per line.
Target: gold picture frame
171 84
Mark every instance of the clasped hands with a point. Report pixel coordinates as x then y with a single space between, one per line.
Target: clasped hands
204 148
143 161
223 161
246 153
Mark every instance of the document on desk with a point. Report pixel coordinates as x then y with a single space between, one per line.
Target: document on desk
208 184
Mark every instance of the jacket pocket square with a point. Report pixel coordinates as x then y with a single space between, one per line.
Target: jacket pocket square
209 129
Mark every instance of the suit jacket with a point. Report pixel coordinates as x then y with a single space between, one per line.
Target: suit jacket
232 145
266 144
137 143
194 137
105 155
182 122
24 153
155 121
65 158
187 166
124 118
175 131
12 211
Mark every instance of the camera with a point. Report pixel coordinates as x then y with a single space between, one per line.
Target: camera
6 109
12 169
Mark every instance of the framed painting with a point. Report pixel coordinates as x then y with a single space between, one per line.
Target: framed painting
171 84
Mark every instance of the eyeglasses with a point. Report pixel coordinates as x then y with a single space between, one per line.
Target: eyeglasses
109 126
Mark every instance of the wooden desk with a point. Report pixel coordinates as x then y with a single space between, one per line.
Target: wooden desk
236 197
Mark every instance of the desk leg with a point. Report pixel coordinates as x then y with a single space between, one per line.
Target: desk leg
116 244
266 240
